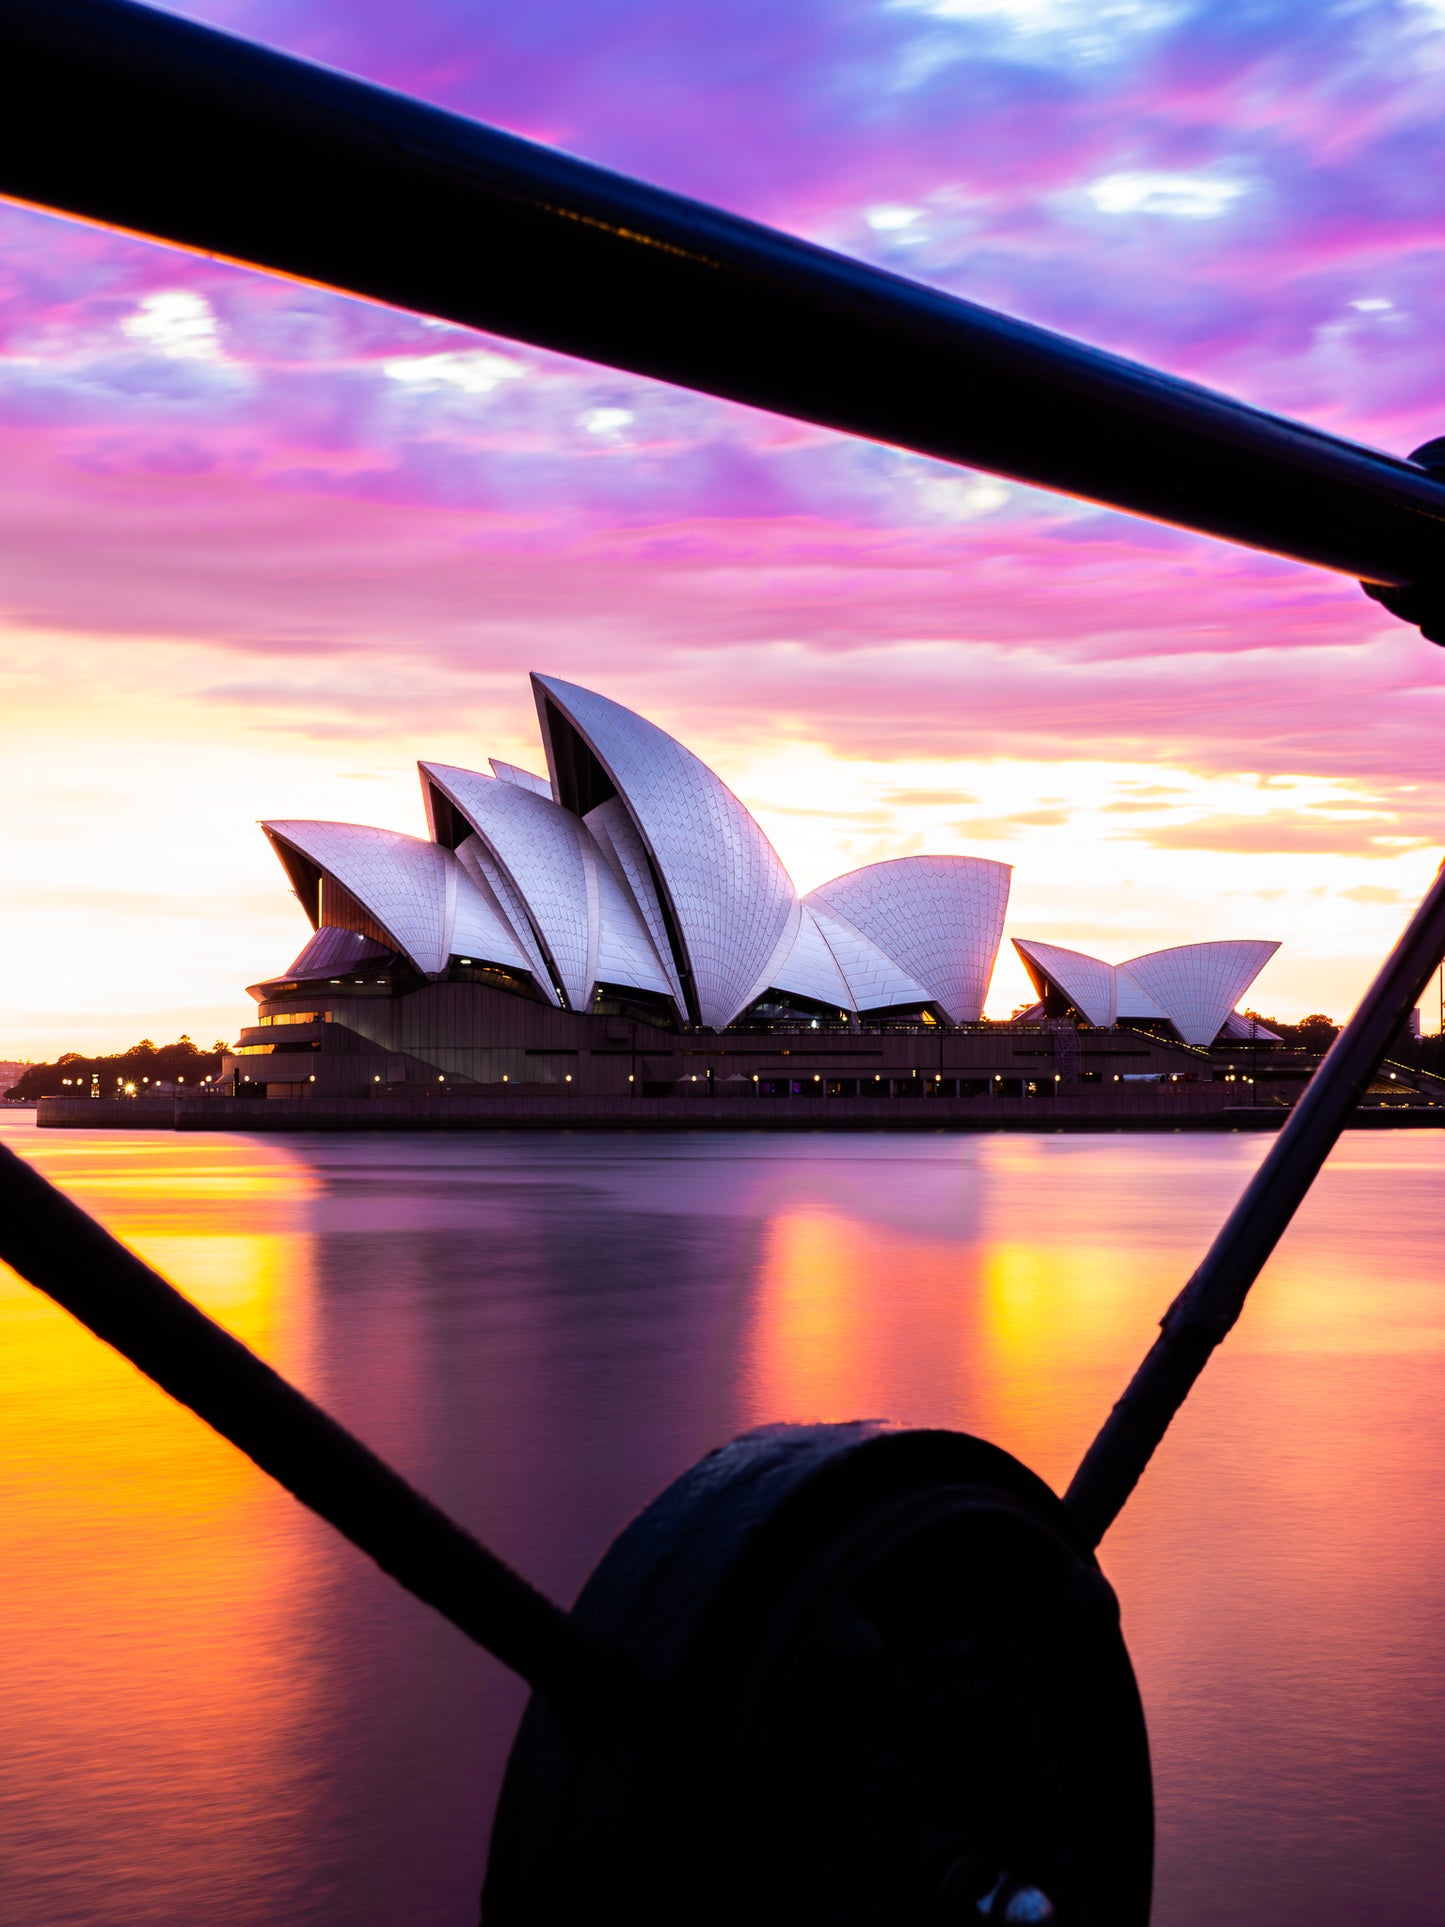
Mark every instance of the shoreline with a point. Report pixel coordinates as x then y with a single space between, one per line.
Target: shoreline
1082 1111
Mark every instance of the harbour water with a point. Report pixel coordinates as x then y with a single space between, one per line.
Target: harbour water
213 1710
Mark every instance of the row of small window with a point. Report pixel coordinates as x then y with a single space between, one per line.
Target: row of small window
298 1017
878 1086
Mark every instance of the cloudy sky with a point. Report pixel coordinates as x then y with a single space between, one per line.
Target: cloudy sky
262 547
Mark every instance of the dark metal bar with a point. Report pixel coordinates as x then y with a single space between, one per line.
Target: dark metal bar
1205 1311
53 1244
138 120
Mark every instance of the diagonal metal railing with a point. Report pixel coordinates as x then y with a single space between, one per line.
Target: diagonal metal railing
1207 1309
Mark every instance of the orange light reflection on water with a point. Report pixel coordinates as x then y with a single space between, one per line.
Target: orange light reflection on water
830 1340
861 1311
149 1586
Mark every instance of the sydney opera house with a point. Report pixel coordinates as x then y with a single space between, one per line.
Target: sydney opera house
623 925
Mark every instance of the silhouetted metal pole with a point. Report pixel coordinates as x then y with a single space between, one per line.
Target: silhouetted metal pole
141 121
1205 1311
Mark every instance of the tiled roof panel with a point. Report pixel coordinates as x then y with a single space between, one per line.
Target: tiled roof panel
1091 985
402 880
874 981
494 888
1132 998
1199 984
621 850
331 950
481 929
626 955
810 968
731 897
1194 985
547 857
522 778
939 917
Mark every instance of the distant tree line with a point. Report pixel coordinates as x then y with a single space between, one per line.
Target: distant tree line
143 1064
1315 1032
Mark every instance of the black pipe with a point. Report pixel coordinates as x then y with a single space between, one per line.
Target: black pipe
141 121
1204 1313
57 1248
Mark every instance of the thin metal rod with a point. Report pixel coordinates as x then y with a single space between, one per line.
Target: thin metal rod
63 1252
1205 1311
138 120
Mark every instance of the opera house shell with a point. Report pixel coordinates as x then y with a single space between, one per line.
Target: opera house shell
1193 988
630 875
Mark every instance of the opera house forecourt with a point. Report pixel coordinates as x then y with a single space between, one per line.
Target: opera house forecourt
617 941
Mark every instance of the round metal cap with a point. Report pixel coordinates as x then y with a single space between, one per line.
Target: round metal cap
881 1684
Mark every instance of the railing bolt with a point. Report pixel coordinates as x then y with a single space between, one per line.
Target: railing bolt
1026 1904
1015 1901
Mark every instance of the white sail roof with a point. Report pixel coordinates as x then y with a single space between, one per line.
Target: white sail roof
494 887
874 981
1194 985
330 950
523 778
481 929
626 955
1090 985
625 855
549 861
730 898
810 969
1131 998
939 917
408 886
1247 1030
1198 984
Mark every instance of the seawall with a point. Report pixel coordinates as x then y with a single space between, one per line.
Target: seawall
1162 1108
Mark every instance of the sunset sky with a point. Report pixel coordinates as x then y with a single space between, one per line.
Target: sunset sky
262 547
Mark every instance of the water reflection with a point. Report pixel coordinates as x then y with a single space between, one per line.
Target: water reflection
213 1710
143 1575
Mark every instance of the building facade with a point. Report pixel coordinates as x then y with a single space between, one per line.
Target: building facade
622 926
